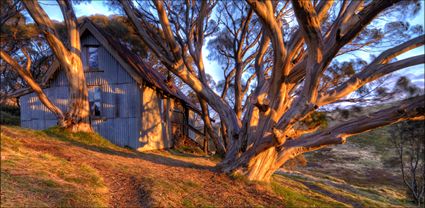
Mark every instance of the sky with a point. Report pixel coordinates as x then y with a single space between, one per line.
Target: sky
415 73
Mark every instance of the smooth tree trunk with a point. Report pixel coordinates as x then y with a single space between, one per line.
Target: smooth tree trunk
262 159
209 131
77 116
268 129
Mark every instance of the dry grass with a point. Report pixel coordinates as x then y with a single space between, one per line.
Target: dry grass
358 171
37 179
296 194
158 178
53 168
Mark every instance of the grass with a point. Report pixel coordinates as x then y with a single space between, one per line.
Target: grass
34 179
37 170
191 150
296 194
350 194
366 167
80 138
378 138
183 193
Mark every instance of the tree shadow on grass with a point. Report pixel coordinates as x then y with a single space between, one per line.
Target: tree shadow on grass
151 157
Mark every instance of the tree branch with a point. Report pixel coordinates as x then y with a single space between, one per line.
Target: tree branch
378 68
409 109
47 28
71 25
26 75
309 22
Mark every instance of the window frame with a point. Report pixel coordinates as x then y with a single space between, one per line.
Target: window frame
99 100
87 67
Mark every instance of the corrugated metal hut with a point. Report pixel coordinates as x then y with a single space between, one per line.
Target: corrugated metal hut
131 104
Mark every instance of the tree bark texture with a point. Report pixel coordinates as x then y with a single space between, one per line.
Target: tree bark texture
77 116
266 131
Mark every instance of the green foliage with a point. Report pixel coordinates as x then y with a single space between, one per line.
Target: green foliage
9 115
12 110
8 119
316 119
408 140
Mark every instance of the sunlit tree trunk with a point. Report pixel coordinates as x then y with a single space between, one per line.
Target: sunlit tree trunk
276 141
263 159
77 116
268 131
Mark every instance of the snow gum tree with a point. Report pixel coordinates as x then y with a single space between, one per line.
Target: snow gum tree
66 52
282 64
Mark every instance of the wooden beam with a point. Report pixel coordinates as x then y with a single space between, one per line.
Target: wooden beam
190 127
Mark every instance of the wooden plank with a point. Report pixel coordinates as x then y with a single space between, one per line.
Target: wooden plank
190 127
26 124
123 133
62 97
107 129
60 79
133 95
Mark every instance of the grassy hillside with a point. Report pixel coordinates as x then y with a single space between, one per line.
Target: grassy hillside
34 178
366 165
52 168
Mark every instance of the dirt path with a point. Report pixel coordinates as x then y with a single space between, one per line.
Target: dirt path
155 179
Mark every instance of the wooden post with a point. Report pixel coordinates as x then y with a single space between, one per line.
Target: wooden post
186 121
205 140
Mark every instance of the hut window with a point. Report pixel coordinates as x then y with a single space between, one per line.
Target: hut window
92 57
95 101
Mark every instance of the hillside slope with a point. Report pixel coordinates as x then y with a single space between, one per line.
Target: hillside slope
52 168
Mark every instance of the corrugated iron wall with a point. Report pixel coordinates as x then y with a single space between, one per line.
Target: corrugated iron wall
120 97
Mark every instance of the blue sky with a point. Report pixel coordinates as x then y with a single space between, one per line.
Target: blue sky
415 73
